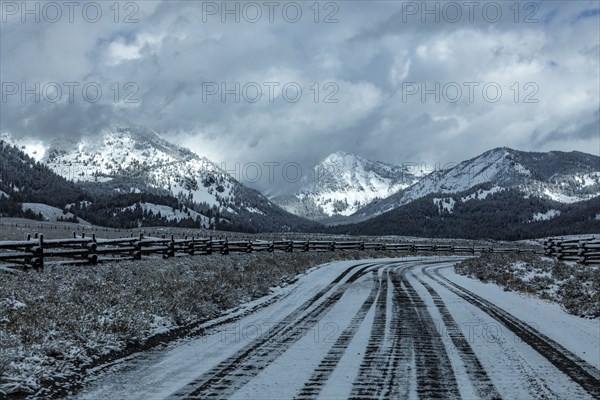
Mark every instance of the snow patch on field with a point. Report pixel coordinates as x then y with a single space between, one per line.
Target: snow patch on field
563 198
548 215
160 324
83 203
521 169
445 204
586 180
48 212
169 213
481 194
13 304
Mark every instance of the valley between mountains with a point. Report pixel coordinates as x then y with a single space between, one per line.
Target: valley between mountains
129 176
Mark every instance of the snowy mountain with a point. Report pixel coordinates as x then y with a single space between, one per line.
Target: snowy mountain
137 159
31 190
559 176
128 175
127 158
343 183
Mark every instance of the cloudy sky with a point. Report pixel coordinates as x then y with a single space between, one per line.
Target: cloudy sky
259 82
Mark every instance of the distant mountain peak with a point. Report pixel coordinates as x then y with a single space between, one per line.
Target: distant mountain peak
344 182
340 158
338 154
558 176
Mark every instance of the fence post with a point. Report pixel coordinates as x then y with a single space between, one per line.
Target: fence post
39 262
191 246
137 254
171 251
92 256
225 248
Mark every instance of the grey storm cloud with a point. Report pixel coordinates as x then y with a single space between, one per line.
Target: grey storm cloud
386 80
62 121
585 128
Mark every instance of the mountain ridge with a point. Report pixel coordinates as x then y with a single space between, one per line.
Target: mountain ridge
500 214
152 174
126 158
561 176
343 183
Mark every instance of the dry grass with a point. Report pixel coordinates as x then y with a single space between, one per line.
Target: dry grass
53 322
576 287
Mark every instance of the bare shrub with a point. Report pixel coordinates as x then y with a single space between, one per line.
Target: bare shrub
576 287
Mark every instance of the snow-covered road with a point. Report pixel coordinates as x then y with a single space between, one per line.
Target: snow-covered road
376 329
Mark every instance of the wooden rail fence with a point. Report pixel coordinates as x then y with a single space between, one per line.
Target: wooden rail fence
36 252
583 250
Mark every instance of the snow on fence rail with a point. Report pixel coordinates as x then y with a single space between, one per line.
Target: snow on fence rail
582 250
80 250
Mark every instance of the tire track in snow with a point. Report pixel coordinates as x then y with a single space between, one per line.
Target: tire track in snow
400 362
401 380
319 377
477 374
392 360
434 372
412 351
231 374
537 388
370 374
584 374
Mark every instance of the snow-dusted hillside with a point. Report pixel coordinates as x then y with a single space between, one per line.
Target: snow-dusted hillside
50 213
128 158
170 214
558 176
127 150
343 183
